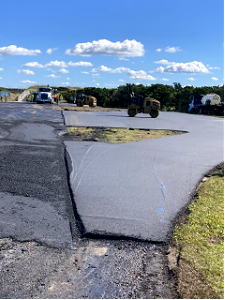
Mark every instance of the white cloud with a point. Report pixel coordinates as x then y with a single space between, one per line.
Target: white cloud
80 64
127 48
27 72
103 68
123 58
192 67
1 69
172 49
14 50
84 72
50 50
0 77
33 65
158 50
159 70
95 75
67 78
28 81
64 71
164 62
165 79
212 68
214 78
53 76
121 80
140 75
65 83
53 71
56 64
120 70
191 79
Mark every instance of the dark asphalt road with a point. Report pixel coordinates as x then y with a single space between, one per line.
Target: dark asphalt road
32 169
138 189
39 257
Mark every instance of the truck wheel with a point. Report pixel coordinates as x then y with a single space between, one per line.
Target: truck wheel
131 112
154 113
79 104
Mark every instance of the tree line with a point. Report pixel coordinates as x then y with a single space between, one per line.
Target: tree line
172 97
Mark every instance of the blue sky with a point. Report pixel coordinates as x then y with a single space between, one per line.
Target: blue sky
102 43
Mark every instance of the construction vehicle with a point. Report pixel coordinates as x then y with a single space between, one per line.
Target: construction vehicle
45 95
210 103
142 104
83 99
145 105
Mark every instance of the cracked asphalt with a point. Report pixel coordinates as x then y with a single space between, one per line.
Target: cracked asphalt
42 251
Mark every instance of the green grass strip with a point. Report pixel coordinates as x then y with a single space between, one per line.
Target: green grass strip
200 243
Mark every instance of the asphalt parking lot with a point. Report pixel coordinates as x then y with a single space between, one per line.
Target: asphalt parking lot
42 252
138 189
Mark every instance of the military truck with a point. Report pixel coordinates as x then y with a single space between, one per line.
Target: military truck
83 99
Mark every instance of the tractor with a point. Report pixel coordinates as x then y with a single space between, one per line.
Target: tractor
145 105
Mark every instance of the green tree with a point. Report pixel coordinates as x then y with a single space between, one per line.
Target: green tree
162 93
177 86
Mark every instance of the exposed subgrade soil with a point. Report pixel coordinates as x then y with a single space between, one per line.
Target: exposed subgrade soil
92 269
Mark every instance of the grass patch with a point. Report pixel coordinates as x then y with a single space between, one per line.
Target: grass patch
199 243
115 135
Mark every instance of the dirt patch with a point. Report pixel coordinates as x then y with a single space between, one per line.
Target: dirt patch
93 269
88 108
115 135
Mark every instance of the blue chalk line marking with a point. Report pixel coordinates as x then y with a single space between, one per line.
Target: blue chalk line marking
161 206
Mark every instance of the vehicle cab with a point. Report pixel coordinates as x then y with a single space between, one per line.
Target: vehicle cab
45 95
